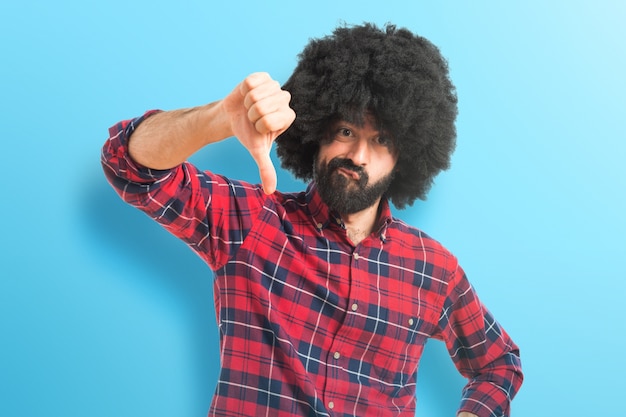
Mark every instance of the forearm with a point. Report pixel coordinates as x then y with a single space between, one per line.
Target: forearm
482 351
167 139
256 112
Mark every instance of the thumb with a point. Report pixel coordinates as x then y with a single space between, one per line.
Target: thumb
267 172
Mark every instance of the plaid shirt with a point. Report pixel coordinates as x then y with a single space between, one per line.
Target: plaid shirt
309 323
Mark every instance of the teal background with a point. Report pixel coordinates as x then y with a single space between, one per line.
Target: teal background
102 313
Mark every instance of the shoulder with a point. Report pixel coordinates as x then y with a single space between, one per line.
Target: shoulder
291 201
286 207
404 233
415 243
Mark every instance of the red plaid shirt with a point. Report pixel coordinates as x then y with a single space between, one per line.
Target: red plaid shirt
311 325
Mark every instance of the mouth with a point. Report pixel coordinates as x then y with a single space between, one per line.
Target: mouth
349 173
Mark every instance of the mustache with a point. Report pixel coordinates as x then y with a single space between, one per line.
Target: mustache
345 163
336 163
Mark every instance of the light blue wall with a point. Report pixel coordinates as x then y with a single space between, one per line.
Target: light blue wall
104 314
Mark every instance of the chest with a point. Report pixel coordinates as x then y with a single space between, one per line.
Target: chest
315 283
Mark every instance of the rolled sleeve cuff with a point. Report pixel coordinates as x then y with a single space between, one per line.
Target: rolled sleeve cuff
117 160
488 401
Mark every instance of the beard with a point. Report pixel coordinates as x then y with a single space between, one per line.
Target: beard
348 195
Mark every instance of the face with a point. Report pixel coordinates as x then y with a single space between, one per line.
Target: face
354 166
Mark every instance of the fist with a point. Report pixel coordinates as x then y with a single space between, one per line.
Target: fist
258 110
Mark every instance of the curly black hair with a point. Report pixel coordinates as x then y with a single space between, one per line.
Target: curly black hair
398 77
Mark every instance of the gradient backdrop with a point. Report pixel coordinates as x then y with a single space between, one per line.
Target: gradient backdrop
102 313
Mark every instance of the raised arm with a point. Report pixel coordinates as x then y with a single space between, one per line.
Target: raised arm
256 112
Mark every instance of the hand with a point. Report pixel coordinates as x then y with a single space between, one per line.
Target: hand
259 111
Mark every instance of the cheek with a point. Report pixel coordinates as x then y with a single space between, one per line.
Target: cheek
328 152
387 164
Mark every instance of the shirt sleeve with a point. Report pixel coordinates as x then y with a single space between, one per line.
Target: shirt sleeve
481 350
211 213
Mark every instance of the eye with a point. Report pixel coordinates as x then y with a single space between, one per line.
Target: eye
344 131
343 134
384 140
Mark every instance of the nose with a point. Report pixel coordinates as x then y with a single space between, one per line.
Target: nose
359 152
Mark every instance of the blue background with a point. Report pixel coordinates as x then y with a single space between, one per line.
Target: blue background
102 313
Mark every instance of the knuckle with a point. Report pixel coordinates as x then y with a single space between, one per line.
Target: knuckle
253 80
263 125
249 99
253 114
248 83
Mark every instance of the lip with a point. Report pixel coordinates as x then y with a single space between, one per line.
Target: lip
349 173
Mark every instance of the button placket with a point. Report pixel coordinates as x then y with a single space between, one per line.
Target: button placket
338 357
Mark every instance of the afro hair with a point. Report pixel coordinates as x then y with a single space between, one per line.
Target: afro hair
399 78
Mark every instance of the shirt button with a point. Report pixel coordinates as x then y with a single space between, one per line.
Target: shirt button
356 256
337 355
320 226
411 322
331 405
355 307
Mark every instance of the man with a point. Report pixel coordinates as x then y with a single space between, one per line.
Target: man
324 300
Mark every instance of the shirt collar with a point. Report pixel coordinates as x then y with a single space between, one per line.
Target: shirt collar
323 217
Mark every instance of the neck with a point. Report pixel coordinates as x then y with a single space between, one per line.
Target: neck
361 224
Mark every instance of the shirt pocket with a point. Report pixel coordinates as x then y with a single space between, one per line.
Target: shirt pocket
392 344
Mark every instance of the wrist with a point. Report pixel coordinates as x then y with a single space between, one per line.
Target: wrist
214 122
